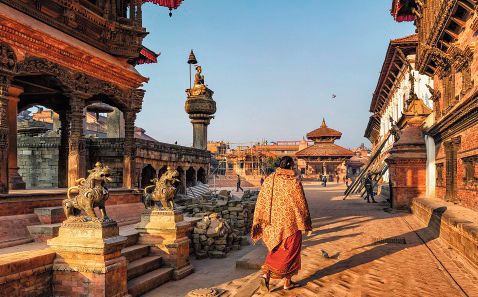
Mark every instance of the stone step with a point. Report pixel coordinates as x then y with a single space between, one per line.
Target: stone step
41 233
132 236
135 252
149 281
50 215
143 266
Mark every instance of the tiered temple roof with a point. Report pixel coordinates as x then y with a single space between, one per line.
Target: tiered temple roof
324 146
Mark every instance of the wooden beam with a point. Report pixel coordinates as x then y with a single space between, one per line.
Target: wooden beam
465 5
452 34
459 22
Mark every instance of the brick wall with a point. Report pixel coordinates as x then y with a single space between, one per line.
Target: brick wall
38 161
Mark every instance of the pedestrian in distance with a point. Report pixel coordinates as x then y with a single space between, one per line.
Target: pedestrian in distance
239 184
338 179
324 181
280 216
369 188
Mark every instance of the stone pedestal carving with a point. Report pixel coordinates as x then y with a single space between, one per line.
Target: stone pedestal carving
89 260
407 165
166 232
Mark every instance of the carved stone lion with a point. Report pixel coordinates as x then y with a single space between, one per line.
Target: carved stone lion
163 190
90 193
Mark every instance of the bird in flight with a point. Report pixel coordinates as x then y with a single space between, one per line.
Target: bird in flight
334 96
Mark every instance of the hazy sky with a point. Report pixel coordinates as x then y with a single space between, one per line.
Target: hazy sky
273 65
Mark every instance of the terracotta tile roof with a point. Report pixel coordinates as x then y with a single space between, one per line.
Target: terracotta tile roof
276 147
325 149
324 131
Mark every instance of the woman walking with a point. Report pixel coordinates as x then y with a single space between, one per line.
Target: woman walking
280 215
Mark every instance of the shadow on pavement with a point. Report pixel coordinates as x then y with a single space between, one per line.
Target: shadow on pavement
381 250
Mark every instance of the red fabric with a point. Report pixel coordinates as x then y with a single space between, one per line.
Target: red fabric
284 260
172 4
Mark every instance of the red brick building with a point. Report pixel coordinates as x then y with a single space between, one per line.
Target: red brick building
446 52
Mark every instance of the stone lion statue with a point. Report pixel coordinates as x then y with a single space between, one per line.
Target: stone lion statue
88 194
163 190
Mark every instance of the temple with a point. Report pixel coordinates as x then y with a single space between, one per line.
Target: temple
324 157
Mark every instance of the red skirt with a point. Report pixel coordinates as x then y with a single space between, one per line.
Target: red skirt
284 260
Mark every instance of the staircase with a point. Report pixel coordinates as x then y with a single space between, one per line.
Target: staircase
145 271
196 191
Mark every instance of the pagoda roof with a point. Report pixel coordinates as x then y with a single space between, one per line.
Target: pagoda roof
325 149
324 131
391 68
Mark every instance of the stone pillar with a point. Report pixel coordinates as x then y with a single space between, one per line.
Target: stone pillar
15 181
115 124
129 150
407 165
88 259
200 109
200 133
76 141
4 131
166 232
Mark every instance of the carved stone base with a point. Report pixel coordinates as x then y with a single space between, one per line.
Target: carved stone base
89 260
166 233
15 180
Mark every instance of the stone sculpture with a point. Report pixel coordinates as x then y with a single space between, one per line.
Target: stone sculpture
163 190
90 193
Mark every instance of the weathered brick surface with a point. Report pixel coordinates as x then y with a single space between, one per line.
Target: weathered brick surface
13 229
456 225
26 274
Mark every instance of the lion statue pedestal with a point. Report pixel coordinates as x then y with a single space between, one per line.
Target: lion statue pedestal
89 261
88 249
166 232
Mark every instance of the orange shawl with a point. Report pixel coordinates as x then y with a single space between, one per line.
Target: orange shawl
281 209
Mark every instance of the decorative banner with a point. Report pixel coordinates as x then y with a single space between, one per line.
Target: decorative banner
171 4
402 10
147 56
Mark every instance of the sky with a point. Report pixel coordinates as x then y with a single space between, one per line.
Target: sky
273 65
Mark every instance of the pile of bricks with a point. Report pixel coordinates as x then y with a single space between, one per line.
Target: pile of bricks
226 221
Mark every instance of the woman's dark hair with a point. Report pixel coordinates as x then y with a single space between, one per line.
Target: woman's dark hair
286 162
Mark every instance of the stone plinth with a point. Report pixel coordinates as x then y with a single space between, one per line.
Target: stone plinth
166 233
89 260
407 165
201 108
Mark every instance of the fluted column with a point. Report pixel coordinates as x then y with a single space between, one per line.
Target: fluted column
14 179
76 141
4 83
129 149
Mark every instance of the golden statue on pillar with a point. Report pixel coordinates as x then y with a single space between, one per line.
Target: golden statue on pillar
199 88
163 190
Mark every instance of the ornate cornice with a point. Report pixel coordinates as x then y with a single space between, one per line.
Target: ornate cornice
78 84
462 117
36 43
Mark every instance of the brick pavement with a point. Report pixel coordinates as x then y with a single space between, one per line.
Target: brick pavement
363 268
366 268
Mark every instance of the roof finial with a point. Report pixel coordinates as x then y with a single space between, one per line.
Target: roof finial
324 125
